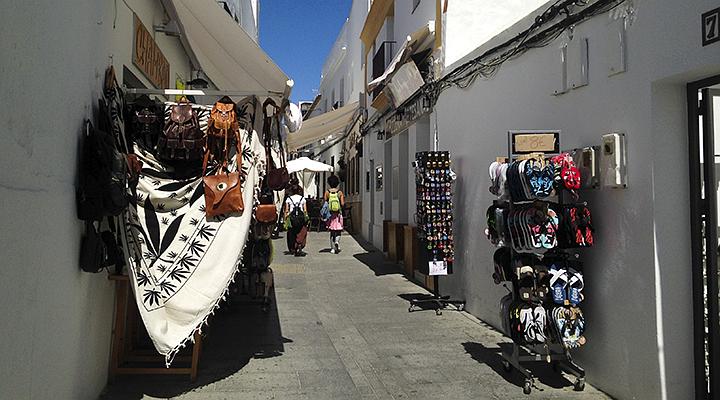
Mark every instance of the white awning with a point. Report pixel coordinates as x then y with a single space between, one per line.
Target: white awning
224 52
306 164
418 41
333 123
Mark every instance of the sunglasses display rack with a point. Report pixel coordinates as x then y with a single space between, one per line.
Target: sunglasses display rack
525 225
434 219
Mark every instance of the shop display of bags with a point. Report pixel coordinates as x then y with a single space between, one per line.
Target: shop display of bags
103 177
181 138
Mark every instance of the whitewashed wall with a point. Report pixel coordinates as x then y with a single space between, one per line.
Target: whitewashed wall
469 23
56 320
638 283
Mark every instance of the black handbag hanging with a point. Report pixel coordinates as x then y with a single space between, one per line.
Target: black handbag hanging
277 177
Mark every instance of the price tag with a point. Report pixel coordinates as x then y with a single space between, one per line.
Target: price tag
535 142
438 268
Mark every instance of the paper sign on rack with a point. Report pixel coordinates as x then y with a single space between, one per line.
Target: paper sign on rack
438 268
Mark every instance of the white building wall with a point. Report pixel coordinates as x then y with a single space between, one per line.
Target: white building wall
637 277
56 319
469 23
407 21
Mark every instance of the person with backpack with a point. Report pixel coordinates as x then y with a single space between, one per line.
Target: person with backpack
296 219
336 201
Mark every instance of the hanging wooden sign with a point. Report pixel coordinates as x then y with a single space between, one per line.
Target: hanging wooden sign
148 57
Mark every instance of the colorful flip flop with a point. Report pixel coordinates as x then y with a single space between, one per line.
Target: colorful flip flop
558 284
575 286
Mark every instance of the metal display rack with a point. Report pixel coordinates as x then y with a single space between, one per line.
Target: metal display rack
434 179
554 352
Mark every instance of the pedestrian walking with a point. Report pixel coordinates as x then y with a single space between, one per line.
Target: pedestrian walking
336 201
295 219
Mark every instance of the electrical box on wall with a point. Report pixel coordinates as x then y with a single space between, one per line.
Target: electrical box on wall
578 62
613 162
587 160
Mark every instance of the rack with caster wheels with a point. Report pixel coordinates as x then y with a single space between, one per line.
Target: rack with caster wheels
579 385
527 386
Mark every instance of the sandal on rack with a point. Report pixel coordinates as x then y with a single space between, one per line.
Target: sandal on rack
543 282
526 283
576 284
558 284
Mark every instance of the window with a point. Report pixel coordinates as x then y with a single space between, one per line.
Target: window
415 4
378 178
367 181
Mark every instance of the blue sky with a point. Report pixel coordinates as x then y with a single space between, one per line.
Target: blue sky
298 35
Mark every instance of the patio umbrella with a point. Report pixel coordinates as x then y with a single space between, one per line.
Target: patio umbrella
306 169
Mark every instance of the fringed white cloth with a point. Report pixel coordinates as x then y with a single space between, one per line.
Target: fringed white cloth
181 263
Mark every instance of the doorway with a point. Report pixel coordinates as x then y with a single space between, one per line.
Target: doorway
704 144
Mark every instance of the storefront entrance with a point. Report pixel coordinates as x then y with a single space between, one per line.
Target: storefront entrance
704 143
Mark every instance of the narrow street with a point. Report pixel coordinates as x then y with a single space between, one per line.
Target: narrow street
339 328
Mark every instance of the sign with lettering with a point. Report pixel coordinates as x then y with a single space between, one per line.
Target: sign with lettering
533 142
438 268
148 57
711 27
396 123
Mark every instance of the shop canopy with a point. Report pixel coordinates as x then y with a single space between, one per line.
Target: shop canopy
324 126
306 164
222 49
417 42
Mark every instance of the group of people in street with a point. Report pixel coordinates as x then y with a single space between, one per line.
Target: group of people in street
296 217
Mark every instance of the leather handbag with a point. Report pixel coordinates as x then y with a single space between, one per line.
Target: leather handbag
223 194
277 177
223 190
266 213
93 254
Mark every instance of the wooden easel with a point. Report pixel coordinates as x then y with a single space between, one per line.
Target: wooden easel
124 359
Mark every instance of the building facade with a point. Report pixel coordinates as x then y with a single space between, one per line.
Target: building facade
57 320
626 71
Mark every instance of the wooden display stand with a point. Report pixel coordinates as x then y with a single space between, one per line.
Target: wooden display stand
399 242
126 360
411 249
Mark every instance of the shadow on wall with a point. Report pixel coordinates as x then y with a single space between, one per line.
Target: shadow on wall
238 333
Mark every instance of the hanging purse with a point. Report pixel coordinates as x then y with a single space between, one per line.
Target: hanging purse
277 178
223 191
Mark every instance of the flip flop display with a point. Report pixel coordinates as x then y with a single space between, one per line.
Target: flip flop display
534 237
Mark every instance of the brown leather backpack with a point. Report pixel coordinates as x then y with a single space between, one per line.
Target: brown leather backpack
181 138
223 119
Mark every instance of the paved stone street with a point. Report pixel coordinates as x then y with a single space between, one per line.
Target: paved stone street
339 328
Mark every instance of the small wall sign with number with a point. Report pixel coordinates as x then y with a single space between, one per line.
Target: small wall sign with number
711 27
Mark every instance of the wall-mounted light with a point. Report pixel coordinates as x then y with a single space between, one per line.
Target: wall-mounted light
380 135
